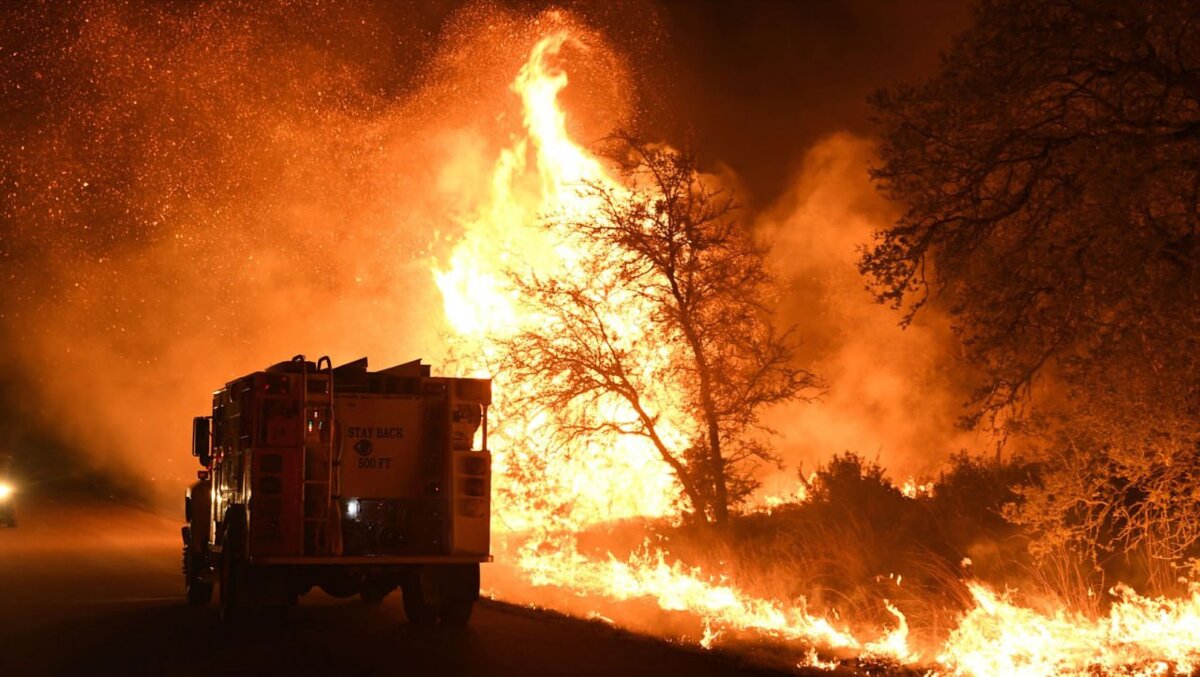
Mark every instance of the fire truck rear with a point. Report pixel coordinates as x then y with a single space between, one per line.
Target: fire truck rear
355 481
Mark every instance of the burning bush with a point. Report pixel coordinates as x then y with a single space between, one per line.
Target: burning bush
858 545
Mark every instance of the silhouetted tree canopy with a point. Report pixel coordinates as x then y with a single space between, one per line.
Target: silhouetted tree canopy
1050 173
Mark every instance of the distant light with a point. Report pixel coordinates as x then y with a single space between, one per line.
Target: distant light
5 490
352 508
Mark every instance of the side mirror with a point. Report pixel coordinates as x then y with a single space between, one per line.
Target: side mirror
200 441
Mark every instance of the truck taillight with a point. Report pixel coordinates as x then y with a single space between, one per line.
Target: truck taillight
473 507
475 465
474 486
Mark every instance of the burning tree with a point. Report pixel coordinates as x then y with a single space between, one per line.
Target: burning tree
693 367
1050 177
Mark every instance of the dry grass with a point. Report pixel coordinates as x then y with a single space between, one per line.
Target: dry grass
859 544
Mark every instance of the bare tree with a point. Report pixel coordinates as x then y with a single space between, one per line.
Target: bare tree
692 371
1051 181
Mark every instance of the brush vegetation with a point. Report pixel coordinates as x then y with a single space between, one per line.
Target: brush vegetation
858 543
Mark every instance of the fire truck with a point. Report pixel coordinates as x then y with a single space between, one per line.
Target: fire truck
358 482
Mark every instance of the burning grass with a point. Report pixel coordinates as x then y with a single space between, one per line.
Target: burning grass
859 575
855 551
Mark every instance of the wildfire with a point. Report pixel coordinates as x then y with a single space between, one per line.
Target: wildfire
537 174
770 501
1140 636
647 575
914 489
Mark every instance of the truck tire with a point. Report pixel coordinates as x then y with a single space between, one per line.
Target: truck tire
233 574
198 593
195 545
416 609
460 589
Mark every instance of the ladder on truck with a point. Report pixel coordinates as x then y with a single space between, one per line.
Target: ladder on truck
322 517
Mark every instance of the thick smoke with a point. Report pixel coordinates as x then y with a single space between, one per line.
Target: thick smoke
894 393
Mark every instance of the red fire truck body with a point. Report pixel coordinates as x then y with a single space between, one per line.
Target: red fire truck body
355 481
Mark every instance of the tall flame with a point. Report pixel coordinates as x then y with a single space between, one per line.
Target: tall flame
538 174
478 300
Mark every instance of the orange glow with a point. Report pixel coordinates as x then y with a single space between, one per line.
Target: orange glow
914 489
537 174
1139 636
771 500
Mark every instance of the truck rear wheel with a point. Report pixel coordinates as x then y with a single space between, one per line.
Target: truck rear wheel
199 594
416 609
441 592
231 608
233 573
460 589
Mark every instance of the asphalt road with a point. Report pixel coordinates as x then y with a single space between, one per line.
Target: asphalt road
92 587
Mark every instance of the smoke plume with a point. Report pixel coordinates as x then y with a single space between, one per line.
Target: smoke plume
894 393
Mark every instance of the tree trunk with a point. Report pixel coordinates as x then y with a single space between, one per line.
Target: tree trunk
716 461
